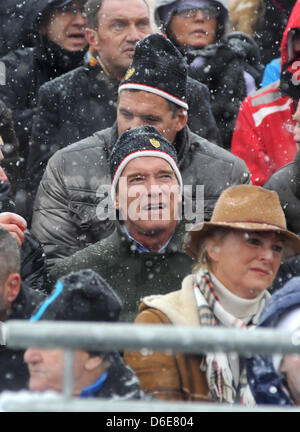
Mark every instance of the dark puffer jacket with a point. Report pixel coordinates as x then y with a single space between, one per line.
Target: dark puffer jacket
14 371
220 73
84 101
26 70
18 15
33 259
286 182
270 29
121 383
221 66
65 215
266 384
10 149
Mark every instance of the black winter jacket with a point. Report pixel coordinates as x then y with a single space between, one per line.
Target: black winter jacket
19 16
66 214
269 32
10 149
84 101
14 371
28 68
33 259
121 382
223 74
286 182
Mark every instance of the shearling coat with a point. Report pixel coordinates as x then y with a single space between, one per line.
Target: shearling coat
65 211
170 376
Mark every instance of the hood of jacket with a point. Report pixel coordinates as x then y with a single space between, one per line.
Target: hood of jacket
33 10
266 384
52 58
287 52
290 64
162 7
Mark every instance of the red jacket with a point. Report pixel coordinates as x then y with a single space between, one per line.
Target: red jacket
263 135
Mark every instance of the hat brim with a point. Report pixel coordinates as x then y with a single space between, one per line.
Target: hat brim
199 231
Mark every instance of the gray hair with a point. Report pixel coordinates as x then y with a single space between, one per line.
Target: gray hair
91 9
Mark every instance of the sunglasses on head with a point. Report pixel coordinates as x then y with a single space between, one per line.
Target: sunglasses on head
208 12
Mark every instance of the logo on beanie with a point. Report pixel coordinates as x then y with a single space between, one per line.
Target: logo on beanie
154 142
129 73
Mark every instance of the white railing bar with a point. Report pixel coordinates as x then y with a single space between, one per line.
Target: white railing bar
123 336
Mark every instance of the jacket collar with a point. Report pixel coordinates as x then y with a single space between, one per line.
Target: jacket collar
25 303
182 144
175 243
99 83
179 306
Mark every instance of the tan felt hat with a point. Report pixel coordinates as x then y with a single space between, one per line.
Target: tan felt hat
245 207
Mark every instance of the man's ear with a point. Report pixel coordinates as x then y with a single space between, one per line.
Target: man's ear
93 362
92 38
12 287
213 250
182 118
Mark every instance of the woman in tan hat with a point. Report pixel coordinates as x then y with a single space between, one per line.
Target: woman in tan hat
238 254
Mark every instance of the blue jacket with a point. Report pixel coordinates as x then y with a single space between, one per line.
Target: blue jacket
266 384
271 72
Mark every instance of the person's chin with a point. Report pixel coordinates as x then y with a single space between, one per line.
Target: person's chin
75 47
37 386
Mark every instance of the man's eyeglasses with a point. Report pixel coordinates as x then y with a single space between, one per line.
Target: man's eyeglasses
208 12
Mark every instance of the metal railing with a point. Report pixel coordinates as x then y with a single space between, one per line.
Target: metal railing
122 337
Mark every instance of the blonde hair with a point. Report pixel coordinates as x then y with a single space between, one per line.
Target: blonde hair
216 234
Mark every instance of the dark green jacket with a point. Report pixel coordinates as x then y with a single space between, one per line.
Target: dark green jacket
131 274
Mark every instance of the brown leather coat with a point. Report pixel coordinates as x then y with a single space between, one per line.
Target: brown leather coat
170 376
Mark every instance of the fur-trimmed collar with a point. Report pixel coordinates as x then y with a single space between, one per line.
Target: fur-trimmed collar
179 306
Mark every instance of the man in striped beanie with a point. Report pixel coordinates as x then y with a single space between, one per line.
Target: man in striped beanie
144 254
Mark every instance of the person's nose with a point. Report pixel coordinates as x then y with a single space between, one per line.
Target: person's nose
79 19
266 253
153 188
134 123
32 355
3 176
133 35
199 16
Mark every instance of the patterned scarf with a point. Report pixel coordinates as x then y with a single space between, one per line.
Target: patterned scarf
219 372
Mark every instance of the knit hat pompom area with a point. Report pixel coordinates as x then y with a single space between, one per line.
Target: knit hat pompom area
141 142
80 296
158 67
